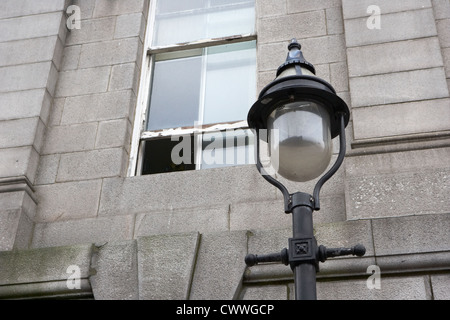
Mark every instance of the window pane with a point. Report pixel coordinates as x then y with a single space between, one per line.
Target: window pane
175 93
227 148
163 155
230 82
180 21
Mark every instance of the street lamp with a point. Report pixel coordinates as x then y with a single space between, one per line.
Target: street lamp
302 114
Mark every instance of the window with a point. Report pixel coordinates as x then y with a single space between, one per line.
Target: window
199 86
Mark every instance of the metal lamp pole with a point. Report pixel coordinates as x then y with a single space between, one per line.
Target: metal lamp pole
297 85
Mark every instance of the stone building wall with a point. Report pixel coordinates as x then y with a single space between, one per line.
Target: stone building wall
67 113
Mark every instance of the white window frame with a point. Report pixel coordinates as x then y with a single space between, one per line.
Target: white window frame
139 133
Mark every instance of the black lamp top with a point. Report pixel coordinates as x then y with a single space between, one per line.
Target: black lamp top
295 58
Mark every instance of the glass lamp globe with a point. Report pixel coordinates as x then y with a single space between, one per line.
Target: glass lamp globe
300 144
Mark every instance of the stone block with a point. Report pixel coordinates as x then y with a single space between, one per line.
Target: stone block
401 119
446 57
266 8
339 76
124 76
83 81
358 8
21 161
267 292
300 26
210 282
130 25
113 133
116 276
270 57
45 264
326 49
27 51
33 26
259 215
203 220
71 200
211 187
71 56
97 107
86 7
399 26
443 28
394 57
92 30
117 7
440 284
441 9
166 265
25 77
91 164
54 118
22 104
335 22
112 52
14 8
398 193
92 230
18 133
71 138
305 5
412 234
398 87
392 288
48 168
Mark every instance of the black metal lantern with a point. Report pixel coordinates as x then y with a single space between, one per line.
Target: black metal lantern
306 114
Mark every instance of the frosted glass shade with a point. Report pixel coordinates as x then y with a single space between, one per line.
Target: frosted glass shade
300 140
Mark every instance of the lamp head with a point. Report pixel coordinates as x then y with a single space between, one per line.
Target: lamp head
301 111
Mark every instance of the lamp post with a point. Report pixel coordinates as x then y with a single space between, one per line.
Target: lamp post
306 114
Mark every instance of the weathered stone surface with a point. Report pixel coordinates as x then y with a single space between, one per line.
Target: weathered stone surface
401 119
25 77
92 30
392 288
149 193
71 138
46 264
21 161
97 107
440 285
394 184
70 200
422 233
15 8
223 283
269 292
211 219
91 164
394 27
31 26
358 8
86 230
301 25
398 87
394 56
306 5
166 264
83 81
116 271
